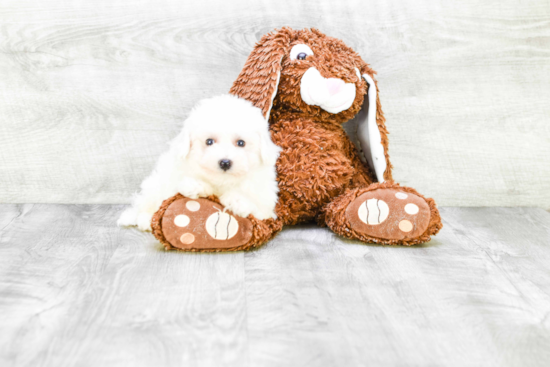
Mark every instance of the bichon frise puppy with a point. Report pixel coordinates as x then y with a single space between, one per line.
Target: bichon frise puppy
224 149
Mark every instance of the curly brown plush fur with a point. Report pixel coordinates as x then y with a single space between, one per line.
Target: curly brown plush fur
320 171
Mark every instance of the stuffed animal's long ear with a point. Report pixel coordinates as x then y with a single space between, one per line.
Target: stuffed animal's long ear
372 133
259 79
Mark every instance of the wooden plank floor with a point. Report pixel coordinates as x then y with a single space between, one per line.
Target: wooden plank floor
75 290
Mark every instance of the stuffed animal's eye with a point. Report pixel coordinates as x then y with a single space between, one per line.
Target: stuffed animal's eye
209 141
300 52
241 143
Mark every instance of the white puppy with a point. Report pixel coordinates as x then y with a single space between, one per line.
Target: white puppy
224 149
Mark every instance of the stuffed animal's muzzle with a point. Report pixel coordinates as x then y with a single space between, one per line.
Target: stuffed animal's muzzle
332 95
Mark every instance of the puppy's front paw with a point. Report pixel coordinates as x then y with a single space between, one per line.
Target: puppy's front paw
144 221
193 188
238 204
264 213
128 218
270 214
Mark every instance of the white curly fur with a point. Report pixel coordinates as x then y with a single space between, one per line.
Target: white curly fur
191 167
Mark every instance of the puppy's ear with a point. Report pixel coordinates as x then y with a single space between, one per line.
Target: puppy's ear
182 143
269 151
259 79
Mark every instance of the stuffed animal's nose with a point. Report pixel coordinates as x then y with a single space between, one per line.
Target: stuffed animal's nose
225 164
334 85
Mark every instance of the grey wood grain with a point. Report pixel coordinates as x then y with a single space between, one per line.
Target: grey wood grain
77 291
90 92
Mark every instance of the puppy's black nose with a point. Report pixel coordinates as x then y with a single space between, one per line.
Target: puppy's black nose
225 164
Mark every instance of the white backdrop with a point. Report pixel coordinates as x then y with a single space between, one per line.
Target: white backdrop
91 92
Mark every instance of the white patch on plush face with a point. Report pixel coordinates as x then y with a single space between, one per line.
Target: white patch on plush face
332 95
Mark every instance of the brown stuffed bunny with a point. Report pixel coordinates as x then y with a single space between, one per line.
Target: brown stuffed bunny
308 85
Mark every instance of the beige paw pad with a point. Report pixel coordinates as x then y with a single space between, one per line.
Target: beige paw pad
411 209
181 220
405 226
373 211
401 195
221 226
193 205
187 238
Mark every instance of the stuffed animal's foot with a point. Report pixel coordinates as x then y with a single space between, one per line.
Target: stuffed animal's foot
384 213
203 225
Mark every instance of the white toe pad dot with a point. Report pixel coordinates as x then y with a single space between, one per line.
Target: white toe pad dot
373 211
401 195
405 226
187 238
193 205
411 209
181 220
221 226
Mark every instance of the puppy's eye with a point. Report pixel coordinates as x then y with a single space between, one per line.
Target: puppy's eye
241 143
300 52
209 141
